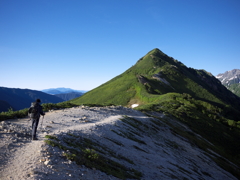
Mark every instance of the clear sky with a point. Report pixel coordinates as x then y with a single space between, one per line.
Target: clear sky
81 44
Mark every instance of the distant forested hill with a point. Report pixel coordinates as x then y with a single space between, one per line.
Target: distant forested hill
62 90
21 98
69 96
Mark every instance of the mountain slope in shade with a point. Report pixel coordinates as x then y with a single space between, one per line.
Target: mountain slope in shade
22 98
4 106
231 79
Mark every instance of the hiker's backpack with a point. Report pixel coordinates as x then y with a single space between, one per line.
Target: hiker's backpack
33 111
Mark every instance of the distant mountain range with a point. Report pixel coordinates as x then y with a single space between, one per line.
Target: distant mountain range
231 79
62 90
18 99
65 93
69 96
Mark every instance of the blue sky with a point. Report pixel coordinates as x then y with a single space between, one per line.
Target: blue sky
82 44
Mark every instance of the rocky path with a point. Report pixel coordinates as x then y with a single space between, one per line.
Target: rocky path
23 159
148 146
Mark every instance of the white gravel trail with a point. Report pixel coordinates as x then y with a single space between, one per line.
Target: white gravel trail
23 159
158 155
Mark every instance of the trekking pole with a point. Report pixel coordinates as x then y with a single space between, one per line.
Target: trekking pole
42 122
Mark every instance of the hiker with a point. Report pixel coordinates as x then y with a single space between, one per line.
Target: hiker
34 112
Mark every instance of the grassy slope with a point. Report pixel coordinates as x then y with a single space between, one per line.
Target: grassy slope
235 88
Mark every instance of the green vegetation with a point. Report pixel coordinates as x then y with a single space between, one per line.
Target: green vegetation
235 88
10 114
86 152
62 105
204 119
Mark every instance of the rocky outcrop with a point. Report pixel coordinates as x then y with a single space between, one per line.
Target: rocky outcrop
142 79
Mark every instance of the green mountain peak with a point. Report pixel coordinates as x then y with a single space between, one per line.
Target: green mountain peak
155 51
157 74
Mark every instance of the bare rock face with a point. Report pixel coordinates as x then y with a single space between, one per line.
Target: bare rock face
142 79
231 80
159 78
229 77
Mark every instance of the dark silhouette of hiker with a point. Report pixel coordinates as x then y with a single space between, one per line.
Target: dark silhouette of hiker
34 112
